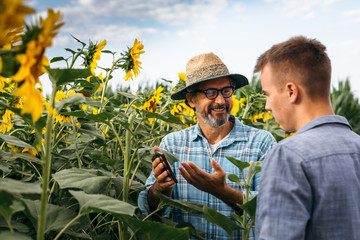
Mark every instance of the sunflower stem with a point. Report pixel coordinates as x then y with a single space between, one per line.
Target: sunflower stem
46 164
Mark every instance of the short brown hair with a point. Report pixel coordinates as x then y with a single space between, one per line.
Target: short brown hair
300 60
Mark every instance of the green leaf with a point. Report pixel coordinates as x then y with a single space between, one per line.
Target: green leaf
169 119
28 157
64 76
82 43
14 141
184 205
70 50
234 178
250 207
14 236
103 117
128 95
97 203
11 186
83 138
238 218
257 169
78 113
240 164
57 59
75 100
154 230
57 217
221 220
279 132
9 205
102 158
16 225
11 156
169 156
88 180
118 183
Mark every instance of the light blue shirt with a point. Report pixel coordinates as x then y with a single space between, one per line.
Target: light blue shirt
310 185
244 143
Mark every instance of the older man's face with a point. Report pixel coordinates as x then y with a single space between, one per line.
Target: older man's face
214 112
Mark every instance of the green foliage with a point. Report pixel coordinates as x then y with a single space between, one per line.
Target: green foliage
344 103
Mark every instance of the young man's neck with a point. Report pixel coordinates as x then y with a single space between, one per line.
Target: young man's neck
312 110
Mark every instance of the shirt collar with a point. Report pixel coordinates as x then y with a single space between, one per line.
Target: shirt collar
238 133
328 119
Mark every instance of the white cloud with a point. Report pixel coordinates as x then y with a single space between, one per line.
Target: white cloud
303 8
355 12
174 12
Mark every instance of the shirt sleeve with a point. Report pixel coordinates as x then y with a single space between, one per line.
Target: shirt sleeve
285 199
143 195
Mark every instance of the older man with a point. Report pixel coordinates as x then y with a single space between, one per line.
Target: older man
202 148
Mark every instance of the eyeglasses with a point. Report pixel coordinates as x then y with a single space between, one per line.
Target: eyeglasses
212 93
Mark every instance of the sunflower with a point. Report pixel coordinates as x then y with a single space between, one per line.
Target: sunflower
242 101
12 15
236 105
32 64
32 100
15 149
151 104
267 116
182 76
2 79
181 109
132 65
93 55
289 134
49 27
10 37
60 95
6 124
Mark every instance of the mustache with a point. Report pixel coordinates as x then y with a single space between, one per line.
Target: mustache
219 106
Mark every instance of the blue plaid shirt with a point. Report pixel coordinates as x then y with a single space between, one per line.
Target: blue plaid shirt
244 143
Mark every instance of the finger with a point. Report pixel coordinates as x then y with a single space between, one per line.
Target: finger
159 169
189 169
155 162
216 166
156 149
185 174
163 176
196 171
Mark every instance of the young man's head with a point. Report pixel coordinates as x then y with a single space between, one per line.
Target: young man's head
300 60
292 73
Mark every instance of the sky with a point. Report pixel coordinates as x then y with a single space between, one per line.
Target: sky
173 31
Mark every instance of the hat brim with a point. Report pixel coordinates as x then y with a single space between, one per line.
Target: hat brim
238 79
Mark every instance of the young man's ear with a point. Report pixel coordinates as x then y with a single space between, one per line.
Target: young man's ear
292 91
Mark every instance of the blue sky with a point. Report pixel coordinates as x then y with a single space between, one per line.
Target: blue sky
173 31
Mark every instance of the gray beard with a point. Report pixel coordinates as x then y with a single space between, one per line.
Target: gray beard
210 120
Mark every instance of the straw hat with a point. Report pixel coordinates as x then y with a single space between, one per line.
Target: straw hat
205 67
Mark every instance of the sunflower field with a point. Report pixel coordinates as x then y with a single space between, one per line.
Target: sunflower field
73 163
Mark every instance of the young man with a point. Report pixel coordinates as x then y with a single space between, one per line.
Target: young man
202 148
310 185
